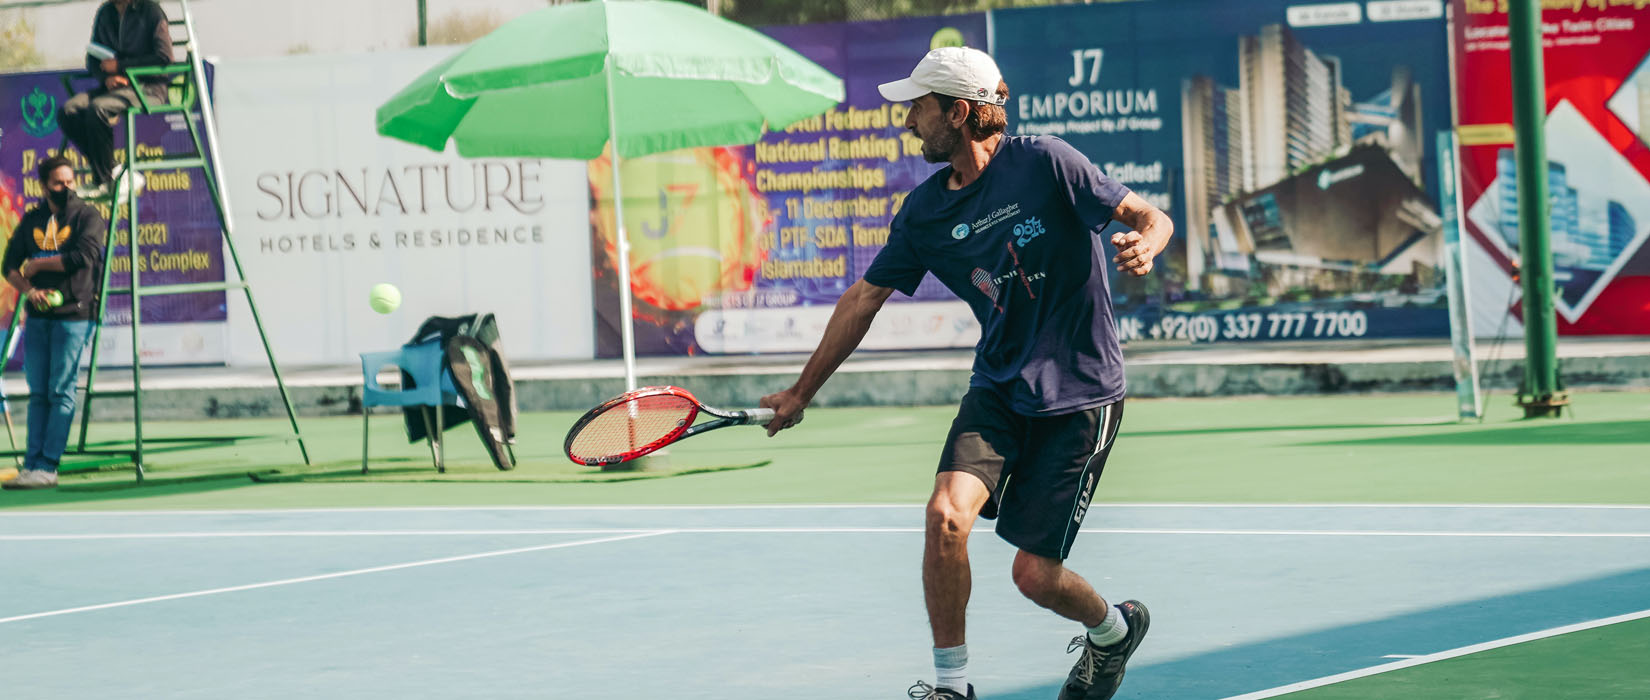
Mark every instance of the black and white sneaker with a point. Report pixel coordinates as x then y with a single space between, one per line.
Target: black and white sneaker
1099 670
924 691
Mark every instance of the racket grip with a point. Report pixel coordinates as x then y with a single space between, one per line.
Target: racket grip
758 416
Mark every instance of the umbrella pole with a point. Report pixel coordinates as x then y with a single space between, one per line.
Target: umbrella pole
627 323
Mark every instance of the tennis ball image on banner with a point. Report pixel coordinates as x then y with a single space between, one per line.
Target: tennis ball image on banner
384 298
694 219
947 36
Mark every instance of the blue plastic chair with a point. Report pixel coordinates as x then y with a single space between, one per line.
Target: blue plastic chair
431 387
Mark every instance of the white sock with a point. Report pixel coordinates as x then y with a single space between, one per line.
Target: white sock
1110 630
951 665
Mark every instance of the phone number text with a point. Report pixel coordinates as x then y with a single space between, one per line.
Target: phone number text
1208 328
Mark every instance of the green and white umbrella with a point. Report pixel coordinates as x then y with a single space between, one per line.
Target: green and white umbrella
646 75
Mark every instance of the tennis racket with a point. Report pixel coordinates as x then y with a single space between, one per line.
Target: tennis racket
642 421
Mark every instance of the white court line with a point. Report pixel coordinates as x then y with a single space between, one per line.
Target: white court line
1364 533
467 509
442 533
1440 656
323 577
782 530
1488 506
814 506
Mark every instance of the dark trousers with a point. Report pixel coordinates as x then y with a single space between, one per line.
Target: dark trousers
88 119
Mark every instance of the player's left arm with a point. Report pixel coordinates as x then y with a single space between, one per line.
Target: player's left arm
34 265
1097 200
1149 235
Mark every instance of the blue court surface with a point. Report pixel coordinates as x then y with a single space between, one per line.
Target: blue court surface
748 602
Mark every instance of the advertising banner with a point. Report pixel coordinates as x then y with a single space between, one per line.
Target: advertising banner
1597 63
1290 143
178 235
325 209
746 249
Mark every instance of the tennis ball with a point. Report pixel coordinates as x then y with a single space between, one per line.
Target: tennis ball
947 36
384 298
53 300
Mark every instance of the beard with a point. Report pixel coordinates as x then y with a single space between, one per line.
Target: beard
939 147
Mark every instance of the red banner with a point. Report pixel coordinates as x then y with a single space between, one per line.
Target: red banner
1597 128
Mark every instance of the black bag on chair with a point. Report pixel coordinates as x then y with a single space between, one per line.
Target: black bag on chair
481 376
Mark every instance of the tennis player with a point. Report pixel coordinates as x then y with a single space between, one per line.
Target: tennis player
1013 226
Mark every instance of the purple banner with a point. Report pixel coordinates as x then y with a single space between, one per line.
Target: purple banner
746 249
178 235
841 177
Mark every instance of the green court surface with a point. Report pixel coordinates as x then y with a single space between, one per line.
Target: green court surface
1603 663
1354 449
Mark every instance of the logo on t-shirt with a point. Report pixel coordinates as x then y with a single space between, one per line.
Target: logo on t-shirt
51 238
960 232
998 216
1027 230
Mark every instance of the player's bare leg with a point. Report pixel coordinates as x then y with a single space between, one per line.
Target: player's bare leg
947 580
1113 632
1047 582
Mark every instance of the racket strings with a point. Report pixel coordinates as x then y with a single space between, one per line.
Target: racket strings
632 425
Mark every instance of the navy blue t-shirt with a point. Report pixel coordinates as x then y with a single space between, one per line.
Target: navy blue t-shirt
1021 245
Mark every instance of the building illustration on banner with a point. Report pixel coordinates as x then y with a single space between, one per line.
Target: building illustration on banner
1600 209
1588 232
1293 185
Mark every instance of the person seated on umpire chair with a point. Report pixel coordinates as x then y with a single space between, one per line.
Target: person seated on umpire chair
55 260
125 34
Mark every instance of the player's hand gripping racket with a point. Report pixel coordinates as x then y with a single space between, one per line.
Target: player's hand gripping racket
645 420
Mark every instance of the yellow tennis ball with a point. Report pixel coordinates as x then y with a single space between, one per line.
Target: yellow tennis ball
384 298
947 36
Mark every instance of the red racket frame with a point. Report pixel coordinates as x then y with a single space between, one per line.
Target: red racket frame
684 428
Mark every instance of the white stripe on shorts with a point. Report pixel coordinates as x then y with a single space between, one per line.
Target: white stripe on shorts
1100 444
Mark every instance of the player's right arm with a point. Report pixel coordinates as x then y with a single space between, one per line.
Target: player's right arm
12 262
849 322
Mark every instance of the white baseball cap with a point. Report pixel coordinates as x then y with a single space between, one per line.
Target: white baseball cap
957 71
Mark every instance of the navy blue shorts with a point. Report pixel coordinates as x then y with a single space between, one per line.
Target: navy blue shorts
1041 470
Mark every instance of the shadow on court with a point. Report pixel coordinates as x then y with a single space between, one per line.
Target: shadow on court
126 489
1327 652
1285 428
1624 432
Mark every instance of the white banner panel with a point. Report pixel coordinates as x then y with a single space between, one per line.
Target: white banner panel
324 208
907 326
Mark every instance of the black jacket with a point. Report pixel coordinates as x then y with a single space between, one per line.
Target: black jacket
76 235
141 37
495 419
